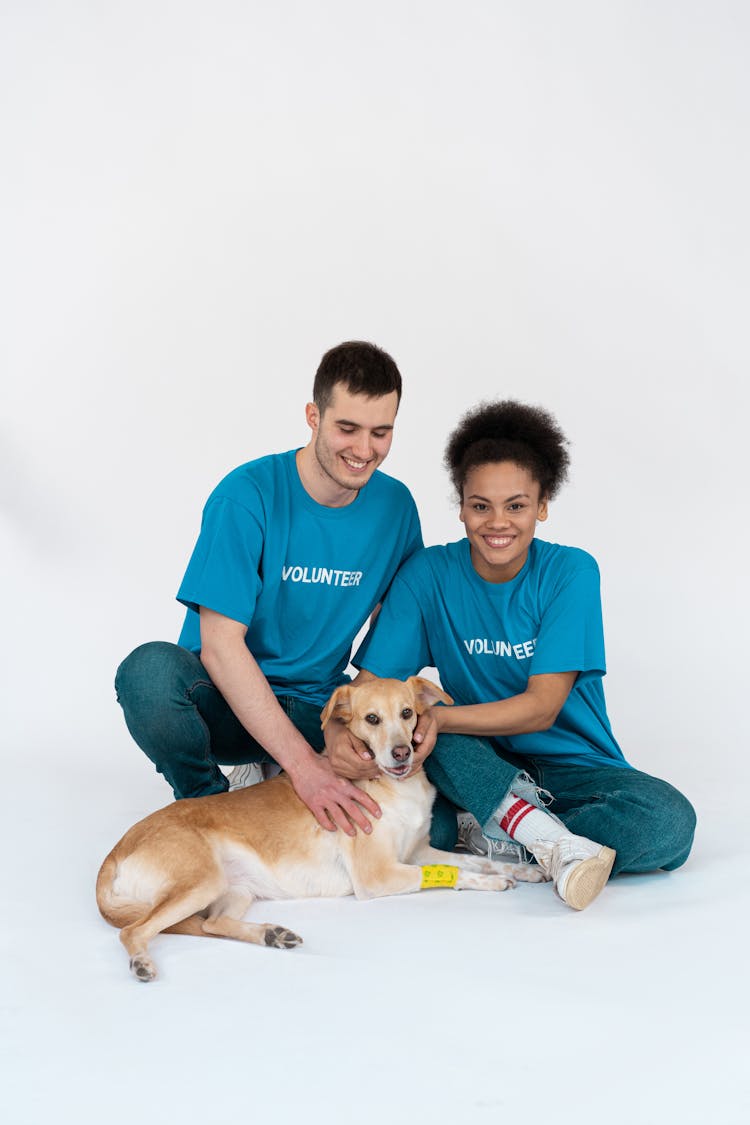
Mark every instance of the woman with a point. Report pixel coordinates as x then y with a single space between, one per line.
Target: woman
513 624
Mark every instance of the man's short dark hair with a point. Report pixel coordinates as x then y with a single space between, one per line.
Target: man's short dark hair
362 368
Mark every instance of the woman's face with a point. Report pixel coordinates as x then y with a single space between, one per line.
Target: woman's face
501 504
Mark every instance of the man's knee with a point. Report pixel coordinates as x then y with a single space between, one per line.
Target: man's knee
153 670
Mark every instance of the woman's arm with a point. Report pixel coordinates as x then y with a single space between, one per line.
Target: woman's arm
534 710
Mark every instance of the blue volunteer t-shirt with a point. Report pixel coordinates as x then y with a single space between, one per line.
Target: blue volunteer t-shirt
303 577
486 639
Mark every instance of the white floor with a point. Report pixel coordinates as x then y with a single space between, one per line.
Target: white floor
440 1007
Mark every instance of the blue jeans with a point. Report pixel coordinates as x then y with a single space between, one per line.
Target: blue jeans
185 726
647 821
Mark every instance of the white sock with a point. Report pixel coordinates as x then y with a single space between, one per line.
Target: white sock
526 823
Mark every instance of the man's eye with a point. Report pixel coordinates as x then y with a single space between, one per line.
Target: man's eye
407 713
373 720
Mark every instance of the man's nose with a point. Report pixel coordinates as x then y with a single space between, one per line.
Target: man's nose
362 448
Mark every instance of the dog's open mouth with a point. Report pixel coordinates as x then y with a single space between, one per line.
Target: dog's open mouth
397 771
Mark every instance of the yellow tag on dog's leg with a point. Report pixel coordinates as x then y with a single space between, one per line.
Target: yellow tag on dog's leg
439 875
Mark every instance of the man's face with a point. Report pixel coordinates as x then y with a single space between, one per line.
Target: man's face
353 436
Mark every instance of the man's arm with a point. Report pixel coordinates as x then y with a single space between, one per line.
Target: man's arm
334 801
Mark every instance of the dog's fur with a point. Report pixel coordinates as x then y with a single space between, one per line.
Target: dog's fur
196 866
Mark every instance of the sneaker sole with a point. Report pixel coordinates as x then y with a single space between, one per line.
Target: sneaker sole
588 879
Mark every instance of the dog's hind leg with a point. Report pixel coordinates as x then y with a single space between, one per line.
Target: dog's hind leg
181 901
225 920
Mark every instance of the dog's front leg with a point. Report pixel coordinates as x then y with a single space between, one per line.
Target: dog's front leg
377 876
472 866
376 880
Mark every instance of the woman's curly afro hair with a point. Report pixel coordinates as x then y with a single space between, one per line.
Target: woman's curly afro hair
509 431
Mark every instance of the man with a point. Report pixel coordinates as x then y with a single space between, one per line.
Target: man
295 552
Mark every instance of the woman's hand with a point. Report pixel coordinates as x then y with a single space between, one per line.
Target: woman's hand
425 735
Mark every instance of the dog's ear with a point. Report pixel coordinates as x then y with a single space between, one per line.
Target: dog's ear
426 693
339 706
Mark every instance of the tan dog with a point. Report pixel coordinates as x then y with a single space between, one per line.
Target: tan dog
196 866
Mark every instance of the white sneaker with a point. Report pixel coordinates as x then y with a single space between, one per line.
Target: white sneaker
249 773
472 839
579 867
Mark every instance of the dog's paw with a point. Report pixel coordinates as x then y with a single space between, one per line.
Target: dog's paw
142 967
469 881
280 938
530 873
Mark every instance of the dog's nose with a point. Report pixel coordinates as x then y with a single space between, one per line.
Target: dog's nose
401 753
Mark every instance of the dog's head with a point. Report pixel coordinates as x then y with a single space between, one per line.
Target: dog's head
383 714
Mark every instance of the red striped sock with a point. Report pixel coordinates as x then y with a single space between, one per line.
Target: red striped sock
526 823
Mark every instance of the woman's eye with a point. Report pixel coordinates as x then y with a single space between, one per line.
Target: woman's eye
373 720
480 507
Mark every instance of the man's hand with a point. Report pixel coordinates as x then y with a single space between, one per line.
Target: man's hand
348 755
424 737
333 801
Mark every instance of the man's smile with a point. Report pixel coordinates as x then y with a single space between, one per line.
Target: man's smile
355 466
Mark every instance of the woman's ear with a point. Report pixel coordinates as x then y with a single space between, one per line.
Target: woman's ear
543 510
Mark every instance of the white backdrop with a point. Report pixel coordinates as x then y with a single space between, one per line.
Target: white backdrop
541 200
545 201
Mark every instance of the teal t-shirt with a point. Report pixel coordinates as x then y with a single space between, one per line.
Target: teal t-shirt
303 577
486 639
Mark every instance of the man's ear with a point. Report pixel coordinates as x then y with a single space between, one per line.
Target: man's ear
426 693
339 706
312 416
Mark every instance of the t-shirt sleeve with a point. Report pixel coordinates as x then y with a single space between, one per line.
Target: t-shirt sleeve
223 572
414 535
571 634
396 644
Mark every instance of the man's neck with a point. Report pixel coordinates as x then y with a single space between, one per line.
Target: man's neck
319 485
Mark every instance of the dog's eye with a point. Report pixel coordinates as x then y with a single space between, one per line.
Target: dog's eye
373 720
407 713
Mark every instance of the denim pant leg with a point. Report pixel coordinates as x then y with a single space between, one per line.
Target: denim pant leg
471 775
184 724
306 718
647 821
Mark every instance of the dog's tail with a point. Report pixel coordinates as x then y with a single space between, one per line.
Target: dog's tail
115 909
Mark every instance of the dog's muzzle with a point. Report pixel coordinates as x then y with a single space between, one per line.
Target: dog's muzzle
402 756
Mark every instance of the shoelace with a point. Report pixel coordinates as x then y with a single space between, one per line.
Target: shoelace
471 837
552 857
